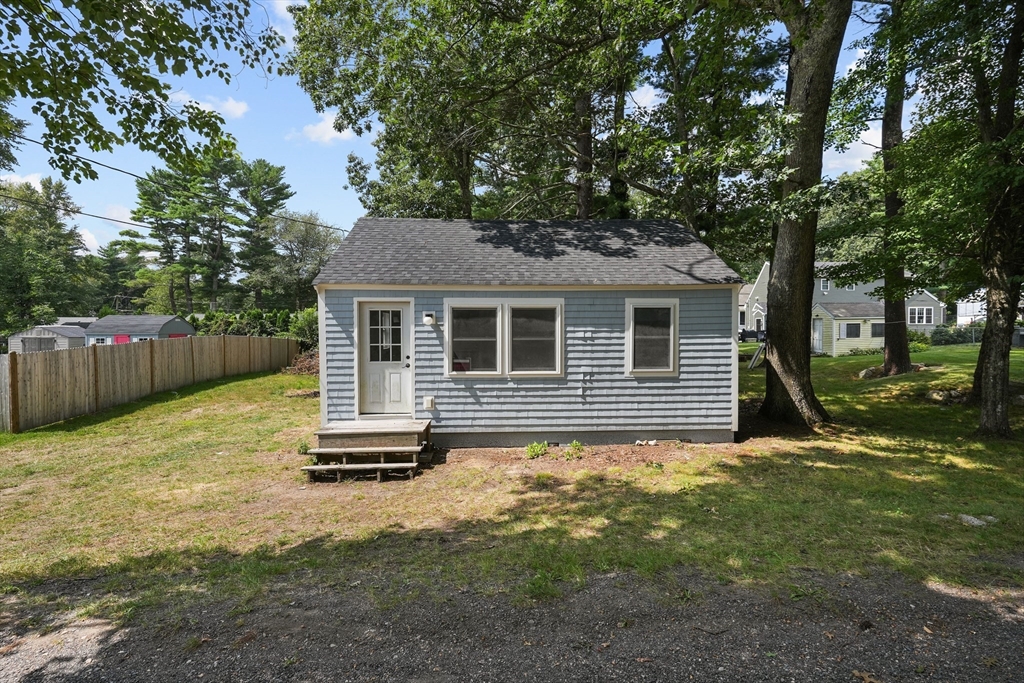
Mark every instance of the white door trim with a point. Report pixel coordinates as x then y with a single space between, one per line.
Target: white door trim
357 364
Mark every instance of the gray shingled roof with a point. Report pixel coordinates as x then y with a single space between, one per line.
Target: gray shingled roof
129 324
745 291
873 309
67 330
415 251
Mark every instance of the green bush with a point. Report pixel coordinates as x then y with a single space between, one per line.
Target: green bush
305 326
918 347
945 335
913 336
864 352
537 450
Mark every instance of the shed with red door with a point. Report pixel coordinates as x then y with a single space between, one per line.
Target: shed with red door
124 329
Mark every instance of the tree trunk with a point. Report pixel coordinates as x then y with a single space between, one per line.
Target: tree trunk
464 176
618 190
816 33
584 158
1002 299
897 349
170 292
1003 239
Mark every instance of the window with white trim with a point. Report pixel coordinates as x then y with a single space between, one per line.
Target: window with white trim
919 315
743 317
849 330
511 338
825 284
474 339
652 336
533 338
850 288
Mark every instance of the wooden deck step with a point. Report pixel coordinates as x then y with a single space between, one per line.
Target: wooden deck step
361 450
359 466
365 467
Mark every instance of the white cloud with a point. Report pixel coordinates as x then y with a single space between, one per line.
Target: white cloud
861 53
836 163
322 132
229 108
91 243
120 213
645 96
33 179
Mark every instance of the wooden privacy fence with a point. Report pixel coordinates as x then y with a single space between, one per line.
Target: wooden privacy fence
38 389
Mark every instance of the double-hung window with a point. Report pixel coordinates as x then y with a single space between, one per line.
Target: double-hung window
473 339
877 329
849 330
504 338
652 337
825 285
919 315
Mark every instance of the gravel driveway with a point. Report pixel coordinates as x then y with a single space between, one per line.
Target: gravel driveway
616 628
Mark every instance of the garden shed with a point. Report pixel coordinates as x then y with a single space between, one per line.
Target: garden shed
46 338
504 333
123 329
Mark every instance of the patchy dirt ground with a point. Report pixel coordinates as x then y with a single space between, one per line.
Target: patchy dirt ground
617 627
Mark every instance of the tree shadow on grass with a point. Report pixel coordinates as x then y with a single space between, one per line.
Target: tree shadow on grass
778 519
93 419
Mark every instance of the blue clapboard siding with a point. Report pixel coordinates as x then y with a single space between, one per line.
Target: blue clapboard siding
594 394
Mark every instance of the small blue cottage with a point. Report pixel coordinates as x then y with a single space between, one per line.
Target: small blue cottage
500 333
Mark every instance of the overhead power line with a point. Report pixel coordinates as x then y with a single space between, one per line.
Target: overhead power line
67 209
173 189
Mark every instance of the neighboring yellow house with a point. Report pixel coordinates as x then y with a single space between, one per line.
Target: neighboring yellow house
836 328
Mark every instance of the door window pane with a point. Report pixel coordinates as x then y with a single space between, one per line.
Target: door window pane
474 339
534 339
385 336
652 338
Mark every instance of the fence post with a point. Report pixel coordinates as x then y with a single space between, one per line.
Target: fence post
12 375
95 377
223 355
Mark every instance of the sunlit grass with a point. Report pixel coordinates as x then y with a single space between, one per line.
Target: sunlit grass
201 494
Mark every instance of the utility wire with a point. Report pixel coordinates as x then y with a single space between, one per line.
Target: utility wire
173 189
66 209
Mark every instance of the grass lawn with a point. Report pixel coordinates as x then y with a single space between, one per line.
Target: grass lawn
199 494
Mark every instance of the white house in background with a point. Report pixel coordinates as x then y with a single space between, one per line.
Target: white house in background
971 309
753 302
924 310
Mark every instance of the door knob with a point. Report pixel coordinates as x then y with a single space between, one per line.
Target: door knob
407 365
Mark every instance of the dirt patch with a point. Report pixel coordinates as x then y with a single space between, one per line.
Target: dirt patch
681 626
302 393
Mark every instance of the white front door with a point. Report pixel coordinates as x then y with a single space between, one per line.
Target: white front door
817 328
385 358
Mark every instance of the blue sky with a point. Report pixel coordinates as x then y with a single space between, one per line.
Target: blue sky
275 120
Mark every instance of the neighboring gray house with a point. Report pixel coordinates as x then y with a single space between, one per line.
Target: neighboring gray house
924 310
504 333
122 329
76 321
46 338
754 310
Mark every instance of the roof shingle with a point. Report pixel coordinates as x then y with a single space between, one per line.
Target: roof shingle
414 251
130 324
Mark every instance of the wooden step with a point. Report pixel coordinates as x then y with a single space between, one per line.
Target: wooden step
379 466
362 450
398 433
359 466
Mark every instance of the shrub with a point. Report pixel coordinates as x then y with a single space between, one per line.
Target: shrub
913 336
537 450
943 336
871 351
305 326
918 347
